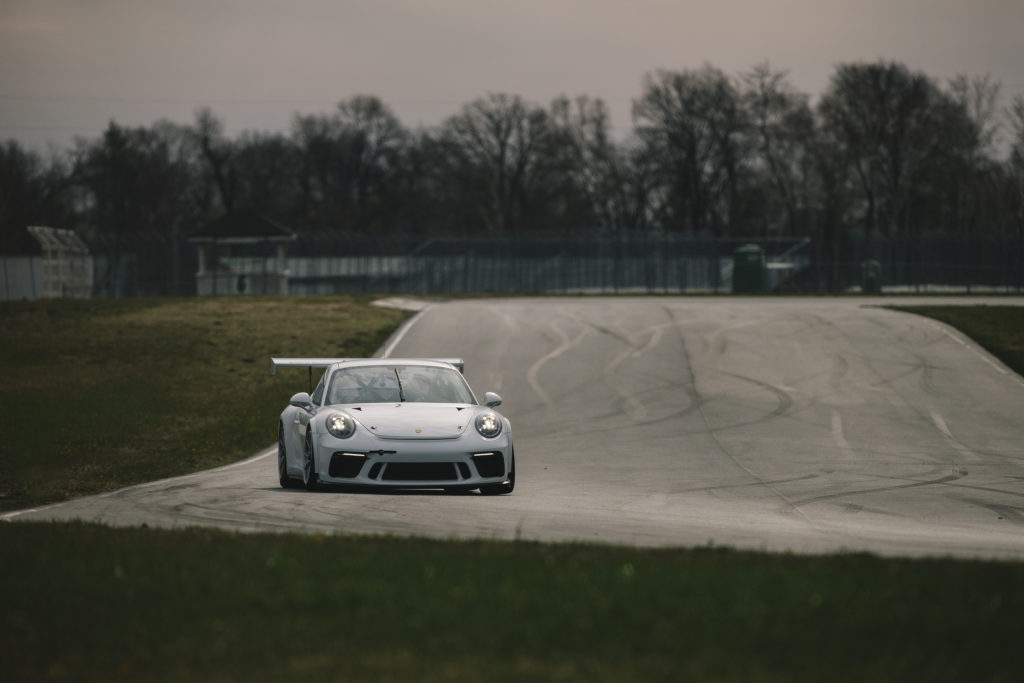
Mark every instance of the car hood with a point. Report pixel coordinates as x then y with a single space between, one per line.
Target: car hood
415 420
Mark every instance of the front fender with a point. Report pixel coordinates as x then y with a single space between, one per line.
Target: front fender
294 436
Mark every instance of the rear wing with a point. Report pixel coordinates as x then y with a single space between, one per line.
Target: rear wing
311 363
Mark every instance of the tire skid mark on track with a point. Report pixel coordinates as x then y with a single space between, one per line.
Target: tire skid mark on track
634 403
927 372
957 445
784 404
784 401
693 404
807 322
989 489
918 364
843 361
913 335
838 353
890 381
840 368
565 344
652 343
1009 513
727 487
881 489
718 340
614 334
634 407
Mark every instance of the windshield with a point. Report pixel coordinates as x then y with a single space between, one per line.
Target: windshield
396 384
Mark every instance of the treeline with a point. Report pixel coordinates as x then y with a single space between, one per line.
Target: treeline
885 150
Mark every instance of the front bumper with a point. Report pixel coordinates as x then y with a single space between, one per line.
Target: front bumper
398 463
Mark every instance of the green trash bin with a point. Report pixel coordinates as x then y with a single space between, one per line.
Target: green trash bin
871 277
748 270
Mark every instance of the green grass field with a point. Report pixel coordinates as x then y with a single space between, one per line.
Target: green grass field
84 602
101 394
146 390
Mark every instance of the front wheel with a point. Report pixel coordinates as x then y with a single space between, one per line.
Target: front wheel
310 480
506 486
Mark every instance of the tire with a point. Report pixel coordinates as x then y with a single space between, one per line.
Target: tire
282 461
507 486
310 480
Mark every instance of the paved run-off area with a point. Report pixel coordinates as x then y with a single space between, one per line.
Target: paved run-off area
798 424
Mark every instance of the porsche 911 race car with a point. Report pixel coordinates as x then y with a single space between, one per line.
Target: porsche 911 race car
393 423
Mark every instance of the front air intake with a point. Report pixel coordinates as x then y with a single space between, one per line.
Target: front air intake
346 465
489 464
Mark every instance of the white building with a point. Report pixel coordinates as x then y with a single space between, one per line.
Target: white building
63 268
234 255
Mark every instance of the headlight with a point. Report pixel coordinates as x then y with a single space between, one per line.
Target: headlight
341 426
489 425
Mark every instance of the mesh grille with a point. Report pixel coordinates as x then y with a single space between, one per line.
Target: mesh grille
420 471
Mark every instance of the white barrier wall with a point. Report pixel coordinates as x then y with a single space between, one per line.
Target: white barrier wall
21 277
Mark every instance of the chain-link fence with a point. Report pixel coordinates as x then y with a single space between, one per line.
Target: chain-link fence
335 263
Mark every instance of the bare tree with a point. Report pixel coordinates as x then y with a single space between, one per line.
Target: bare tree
496 149
784 131
375 140
971 180
349 159
33 191
218 152
692 124
139 184
1015 163
609 178
896 129
979 97
269 175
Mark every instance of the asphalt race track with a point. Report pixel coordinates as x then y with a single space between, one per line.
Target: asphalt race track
799 424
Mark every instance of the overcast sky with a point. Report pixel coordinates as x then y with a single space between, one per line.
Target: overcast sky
67 67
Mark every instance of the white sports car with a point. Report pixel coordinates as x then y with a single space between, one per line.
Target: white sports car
393 423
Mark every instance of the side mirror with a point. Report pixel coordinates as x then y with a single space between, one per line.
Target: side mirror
492 400
301 400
